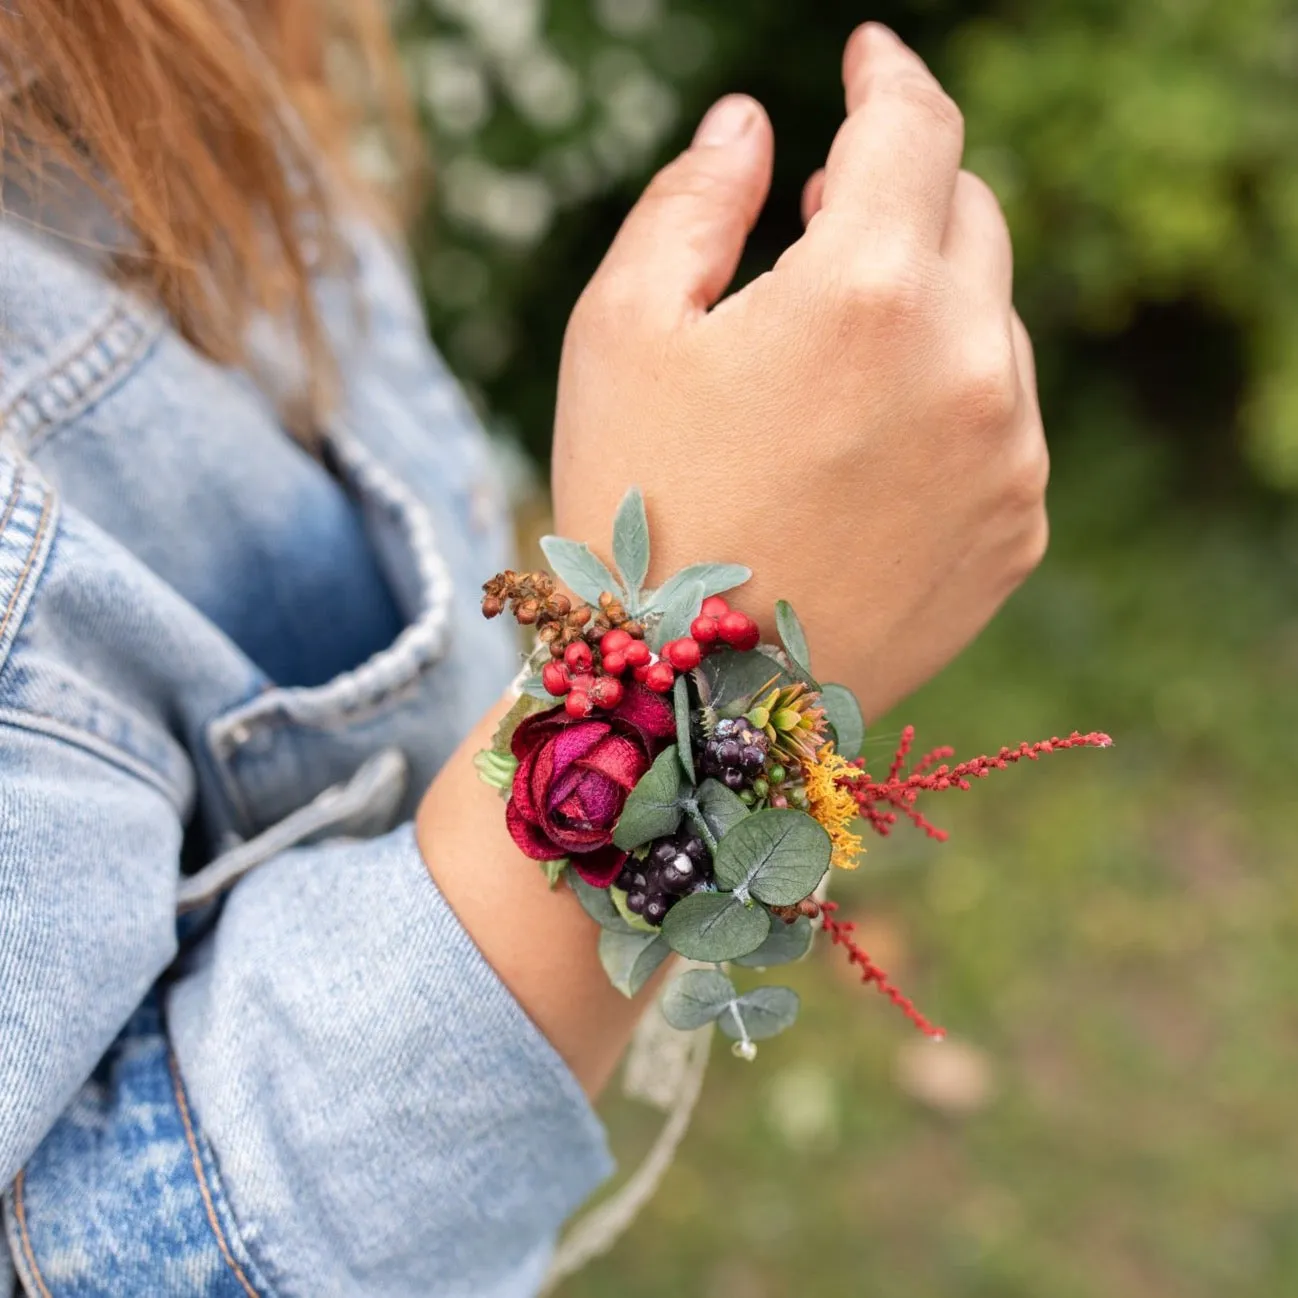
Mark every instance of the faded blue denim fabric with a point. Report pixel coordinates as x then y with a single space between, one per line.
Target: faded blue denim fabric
228 669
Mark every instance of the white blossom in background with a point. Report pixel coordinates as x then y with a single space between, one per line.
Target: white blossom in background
544 88
502 28
450 82
628 17
515 207
640 108
533 106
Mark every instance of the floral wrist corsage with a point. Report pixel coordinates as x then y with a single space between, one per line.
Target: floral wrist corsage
694 785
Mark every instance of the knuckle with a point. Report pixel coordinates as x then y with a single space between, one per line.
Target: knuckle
888 288
987 385
1032 549
973 191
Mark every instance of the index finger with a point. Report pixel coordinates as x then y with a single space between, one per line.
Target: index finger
894 162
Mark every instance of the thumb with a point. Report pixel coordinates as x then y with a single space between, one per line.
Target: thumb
680 247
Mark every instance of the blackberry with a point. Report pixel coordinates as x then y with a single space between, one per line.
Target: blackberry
735 753
674 867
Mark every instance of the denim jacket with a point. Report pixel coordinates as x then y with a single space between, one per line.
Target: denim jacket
245 1046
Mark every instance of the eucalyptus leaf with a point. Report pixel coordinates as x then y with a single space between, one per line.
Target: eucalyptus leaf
697 997
787 943
715 926
778 855
715 578
719 808
631 545
844 714
653 808
729 678
598 904
630 959
792 636
678 615
766 1012
575 563
684 740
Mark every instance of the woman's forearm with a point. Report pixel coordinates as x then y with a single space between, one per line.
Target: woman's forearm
539 940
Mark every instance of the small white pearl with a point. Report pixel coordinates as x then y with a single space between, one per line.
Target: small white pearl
683 866
745 1050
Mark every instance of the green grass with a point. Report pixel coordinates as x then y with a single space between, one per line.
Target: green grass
1116 931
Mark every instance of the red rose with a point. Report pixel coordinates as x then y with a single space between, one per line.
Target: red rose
574 775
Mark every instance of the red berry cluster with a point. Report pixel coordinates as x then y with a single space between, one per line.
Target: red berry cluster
718 626
585 685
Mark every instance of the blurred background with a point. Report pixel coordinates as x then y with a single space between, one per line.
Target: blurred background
1111 938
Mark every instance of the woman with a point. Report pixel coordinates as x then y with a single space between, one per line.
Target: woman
243 519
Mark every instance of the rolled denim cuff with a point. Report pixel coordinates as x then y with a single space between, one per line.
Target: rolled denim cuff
385 1117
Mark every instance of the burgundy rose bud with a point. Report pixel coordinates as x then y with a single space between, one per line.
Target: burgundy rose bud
574 775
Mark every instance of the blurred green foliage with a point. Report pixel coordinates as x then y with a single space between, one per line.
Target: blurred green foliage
1111 937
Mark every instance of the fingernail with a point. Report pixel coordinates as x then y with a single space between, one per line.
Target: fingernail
725 121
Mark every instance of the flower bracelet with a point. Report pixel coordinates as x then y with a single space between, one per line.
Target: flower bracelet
694 785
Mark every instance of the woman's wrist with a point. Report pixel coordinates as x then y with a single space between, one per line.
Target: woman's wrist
539 940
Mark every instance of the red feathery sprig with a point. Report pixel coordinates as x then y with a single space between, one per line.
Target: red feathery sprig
840 933
883 801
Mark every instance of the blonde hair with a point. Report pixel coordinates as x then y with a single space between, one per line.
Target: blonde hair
217 134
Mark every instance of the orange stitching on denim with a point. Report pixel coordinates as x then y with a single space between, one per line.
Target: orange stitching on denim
27 567
192 1140
21 1213
12 503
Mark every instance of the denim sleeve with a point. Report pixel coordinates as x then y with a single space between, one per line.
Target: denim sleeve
346 1100
386 1118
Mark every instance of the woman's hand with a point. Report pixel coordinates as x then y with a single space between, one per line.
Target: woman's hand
860 425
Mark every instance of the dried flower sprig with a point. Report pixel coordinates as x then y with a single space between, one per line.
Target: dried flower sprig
882 802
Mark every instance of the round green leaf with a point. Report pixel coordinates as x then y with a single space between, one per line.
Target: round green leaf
728 678
653 808
715 926
719 808
766 1012
779 855
630 959
695 998
844 714
598 904
786 943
